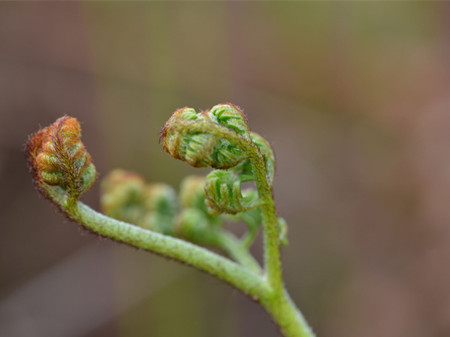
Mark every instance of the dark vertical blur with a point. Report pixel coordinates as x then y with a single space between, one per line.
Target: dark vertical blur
354 98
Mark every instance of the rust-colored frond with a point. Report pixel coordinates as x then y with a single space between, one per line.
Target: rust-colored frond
57 157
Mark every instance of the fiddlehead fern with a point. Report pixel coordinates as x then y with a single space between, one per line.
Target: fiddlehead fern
57 157
192 193
198 146
218 138
224 195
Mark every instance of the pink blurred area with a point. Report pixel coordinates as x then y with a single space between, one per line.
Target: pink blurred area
353 96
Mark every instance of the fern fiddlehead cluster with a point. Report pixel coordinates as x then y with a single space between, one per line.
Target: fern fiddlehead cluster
153 217
205 203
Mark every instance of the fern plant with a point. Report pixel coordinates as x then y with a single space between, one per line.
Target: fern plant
152 217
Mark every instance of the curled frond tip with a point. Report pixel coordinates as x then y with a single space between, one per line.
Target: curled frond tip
57 157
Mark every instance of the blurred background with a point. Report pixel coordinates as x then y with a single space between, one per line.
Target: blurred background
355 99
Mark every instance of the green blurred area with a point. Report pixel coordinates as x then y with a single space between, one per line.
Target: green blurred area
354 98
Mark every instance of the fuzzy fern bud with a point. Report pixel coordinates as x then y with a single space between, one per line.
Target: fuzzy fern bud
192 192
127 197
160 198
122 195
197 138
57 157
160 204
229 116
223 193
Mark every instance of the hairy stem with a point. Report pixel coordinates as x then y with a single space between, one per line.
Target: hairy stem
182 251
272 259
287 316
277 304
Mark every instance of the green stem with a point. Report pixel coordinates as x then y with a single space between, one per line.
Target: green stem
272 258
235 248
277 303
287 316
180 250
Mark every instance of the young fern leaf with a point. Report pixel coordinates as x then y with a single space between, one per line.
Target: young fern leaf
121 196
192 193
223 194
200 147
57 157
160 201
127 197
229 116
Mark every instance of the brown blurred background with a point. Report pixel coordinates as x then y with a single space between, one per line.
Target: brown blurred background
355 99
